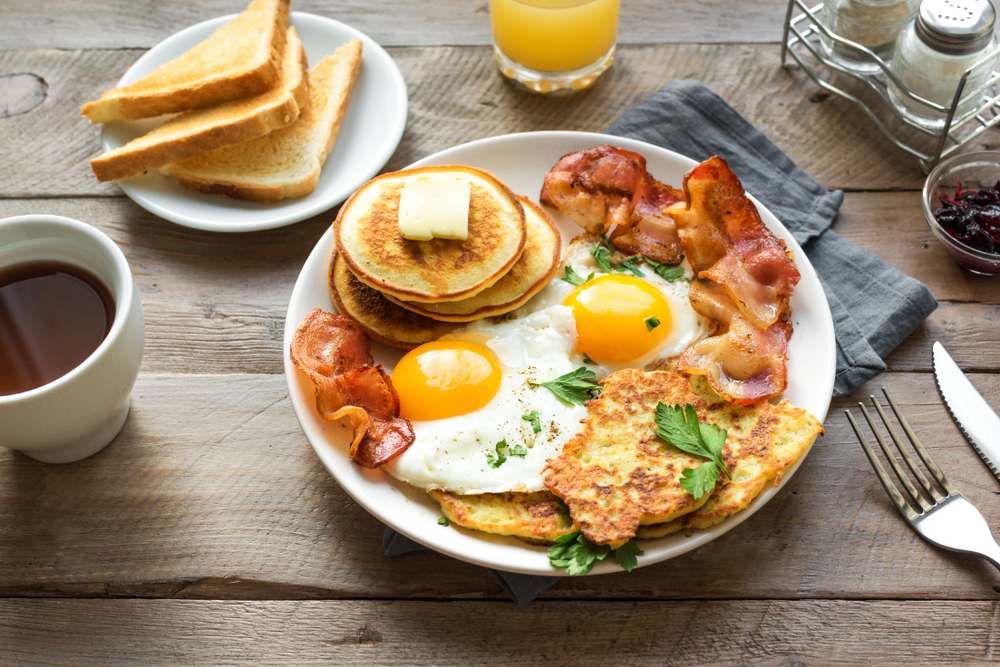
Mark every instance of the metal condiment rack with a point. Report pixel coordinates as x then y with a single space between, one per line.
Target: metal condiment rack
801 37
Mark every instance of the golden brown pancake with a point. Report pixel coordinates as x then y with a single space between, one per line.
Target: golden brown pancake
535 517
367 231
525 279
617 474
375 315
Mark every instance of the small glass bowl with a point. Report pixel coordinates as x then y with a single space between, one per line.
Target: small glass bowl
973 171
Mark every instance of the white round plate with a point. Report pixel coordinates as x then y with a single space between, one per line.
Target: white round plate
521 161
369 134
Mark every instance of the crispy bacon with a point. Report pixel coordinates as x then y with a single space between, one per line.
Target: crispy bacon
607 188
744 365
337 358
727 242
745 276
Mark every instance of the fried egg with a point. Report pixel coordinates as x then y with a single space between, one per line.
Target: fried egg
472 396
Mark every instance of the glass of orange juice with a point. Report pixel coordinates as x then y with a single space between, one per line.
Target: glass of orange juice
553 45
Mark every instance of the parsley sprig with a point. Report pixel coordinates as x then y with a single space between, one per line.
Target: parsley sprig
574 387
680 427
578 555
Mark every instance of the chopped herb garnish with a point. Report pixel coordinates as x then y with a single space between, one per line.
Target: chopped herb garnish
629 265
602 256
681 428
574 387
498 459
536 424
587 359
518 451
578 555
574 278
652 323
669 272
443 521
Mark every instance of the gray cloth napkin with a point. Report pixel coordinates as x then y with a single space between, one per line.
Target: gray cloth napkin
874 306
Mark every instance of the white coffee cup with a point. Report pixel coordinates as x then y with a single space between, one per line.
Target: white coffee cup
78 414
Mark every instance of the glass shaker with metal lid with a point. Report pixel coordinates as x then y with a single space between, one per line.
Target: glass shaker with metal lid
945 39
873 24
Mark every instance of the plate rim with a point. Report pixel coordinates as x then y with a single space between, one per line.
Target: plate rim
825 324
393 135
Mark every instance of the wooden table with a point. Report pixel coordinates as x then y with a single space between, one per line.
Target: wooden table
209 532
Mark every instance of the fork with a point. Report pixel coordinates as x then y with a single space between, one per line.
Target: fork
947 519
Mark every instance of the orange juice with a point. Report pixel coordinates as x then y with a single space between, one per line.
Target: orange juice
554 35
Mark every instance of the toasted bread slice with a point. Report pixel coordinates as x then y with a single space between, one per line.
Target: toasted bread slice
368 237
286 162
240 59
197 132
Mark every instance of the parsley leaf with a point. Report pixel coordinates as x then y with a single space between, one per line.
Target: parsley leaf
563 508
602 256
578 555
669 272
536 424
574 278
629 265
499 459
652 323
443 521
627 555
518 451
574 387
681 428
587 359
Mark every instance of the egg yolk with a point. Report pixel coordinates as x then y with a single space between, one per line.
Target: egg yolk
445 378
618 318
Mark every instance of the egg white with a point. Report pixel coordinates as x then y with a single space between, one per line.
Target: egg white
535 345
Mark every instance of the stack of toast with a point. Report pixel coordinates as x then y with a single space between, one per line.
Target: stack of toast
252 121
404 292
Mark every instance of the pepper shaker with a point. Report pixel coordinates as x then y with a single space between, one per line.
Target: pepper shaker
935 49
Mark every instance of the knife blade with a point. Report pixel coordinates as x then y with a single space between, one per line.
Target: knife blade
978 421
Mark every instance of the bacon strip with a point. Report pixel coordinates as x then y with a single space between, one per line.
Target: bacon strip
606 187
744 365
337 358
745 276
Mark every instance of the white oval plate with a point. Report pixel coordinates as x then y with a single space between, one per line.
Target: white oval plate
521 160
369 134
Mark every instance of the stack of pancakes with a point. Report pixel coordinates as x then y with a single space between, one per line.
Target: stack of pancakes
404 293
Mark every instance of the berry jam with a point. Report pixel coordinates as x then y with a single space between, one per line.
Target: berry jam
972 217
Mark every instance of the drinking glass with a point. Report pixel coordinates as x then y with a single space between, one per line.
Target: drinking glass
554 45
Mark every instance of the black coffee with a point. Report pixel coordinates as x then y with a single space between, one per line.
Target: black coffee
52 317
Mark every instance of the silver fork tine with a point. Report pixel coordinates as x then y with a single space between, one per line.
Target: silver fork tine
919 447
918 499
932 492
897 498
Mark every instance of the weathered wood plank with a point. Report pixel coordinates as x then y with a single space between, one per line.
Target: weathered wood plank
121 24
778 632
213 492
456 95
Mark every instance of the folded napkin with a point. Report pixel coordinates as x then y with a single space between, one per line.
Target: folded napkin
874 306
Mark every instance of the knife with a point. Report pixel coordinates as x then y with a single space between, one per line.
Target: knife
974 416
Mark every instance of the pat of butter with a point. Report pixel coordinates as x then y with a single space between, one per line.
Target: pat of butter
434 208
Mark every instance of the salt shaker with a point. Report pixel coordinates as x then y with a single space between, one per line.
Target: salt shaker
874 24
935 49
